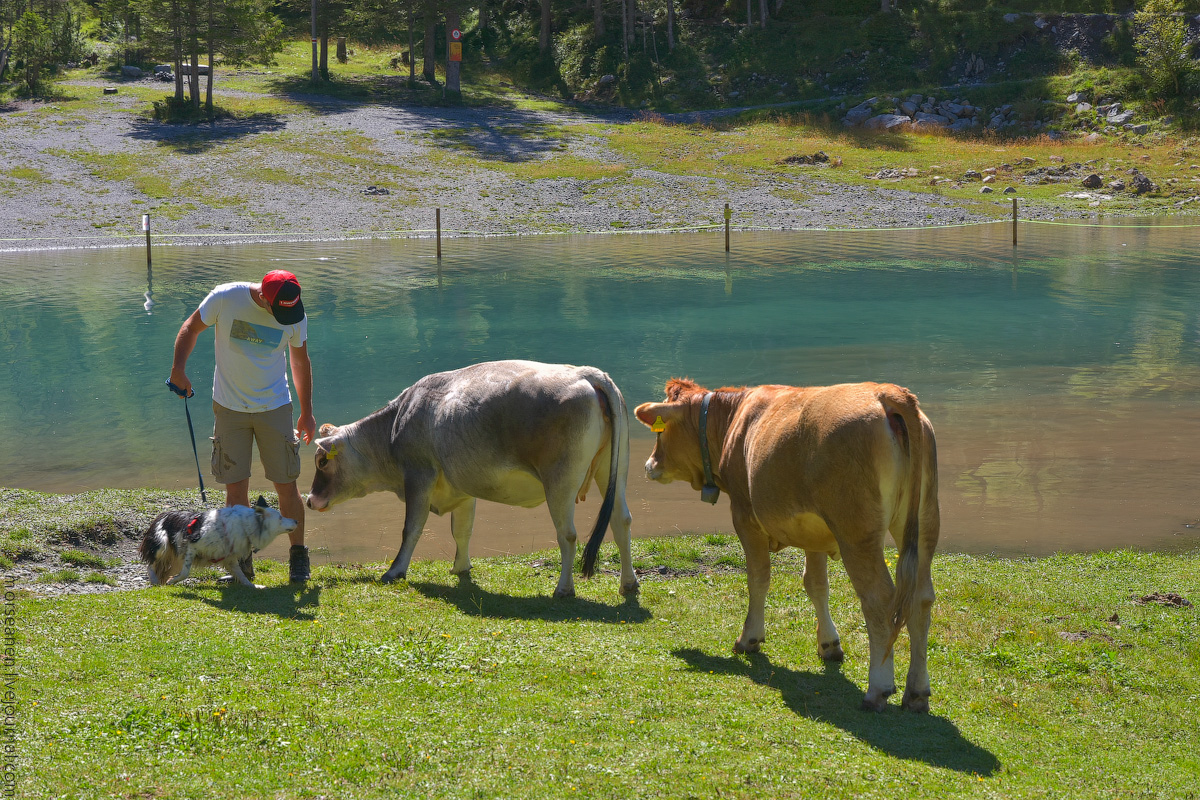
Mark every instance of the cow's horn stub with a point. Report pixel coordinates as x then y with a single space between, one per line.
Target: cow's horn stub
327 429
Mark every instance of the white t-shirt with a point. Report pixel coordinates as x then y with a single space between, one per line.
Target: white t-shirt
251 373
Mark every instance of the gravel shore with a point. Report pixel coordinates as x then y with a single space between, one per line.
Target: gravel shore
80 180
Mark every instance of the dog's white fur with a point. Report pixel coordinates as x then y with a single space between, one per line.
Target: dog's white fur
220 536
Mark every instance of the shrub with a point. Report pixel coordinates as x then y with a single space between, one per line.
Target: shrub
1163 51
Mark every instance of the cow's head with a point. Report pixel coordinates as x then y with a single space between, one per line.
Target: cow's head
340 470
676 455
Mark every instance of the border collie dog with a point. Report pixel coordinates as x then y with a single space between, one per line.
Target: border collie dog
176 540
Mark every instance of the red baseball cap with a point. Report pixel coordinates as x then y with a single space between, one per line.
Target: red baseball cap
281 290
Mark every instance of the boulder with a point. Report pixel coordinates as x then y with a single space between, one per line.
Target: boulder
986 190
1083 108
605 80
1117 186
1141 184
129 71
937 120
1075 97
1092 181
1140 130
909 107
1011 18
860 113
1010 190
1119 118
971 175
886 121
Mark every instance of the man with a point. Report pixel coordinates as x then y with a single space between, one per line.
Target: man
251 398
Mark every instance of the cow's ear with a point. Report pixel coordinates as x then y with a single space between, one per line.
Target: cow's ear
327 430
656 414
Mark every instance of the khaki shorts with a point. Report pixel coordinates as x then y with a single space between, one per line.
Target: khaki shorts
235 431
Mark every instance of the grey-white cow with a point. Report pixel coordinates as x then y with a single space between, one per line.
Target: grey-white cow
513 432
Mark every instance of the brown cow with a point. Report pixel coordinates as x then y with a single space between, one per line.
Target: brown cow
830 469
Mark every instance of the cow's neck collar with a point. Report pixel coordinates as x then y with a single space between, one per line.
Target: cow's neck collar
709 492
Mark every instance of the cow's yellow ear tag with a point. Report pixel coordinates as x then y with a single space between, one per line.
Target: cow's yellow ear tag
659 426
332 452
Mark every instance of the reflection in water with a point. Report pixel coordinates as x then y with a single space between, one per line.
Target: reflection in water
1062 377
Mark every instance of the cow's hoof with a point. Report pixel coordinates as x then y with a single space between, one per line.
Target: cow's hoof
752 646
390 578
916 702
832 651
877 703
563 594
630 589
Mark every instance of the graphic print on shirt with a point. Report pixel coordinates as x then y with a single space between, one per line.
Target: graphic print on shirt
254 338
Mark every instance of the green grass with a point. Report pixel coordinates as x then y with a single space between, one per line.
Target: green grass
352 689
81 558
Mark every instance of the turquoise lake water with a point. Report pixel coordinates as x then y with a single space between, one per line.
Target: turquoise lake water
1062 377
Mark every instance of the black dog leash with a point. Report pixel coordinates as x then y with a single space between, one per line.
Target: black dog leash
185 396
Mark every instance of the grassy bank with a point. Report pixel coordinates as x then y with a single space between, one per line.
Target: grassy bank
1051 679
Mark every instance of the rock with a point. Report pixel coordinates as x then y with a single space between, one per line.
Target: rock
1141 184
1141 130
375 190
1010 190
1083 108
887 121
605 80
129 71
819 157
938 120
1092 181
1119 118
971 175
916 99
989 178
110 90
985 190
961 124
1075 97
909 107
1041 24
1058 159
1117 186
996 121
860 113
1026 160
955 109
162 68
1011 18
890 174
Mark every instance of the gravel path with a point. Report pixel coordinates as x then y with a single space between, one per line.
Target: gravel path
84 180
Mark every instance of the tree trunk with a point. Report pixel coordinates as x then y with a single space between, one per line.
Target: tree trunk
453 68
484 20
885 6
177 41
412 56
194 55
208 104
429 68
324 67
625 29
544 33
762 13
670 26
597 18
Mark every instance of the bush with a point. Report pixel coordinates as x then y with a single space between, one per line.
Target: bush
1163 50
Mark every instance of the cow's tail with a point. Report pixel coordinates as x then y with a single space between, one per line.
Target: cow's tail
921 527
620 434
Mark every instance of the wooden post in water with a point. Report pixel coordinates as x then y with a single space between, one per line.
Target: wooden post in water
439 233
728 214
146 228
1014 222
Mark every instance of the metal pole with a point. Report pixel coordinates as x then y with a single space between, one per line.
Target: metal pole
314 41
1014 222
728 214
439 233
146 228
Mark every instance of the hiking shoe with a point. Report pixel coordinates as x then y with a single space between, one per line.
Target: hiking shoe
299 570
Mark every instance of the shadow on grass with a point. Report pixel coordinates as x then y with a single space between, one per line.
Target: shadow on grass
830 697
475 601
287 601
